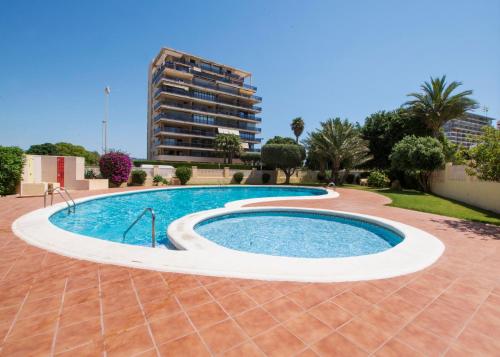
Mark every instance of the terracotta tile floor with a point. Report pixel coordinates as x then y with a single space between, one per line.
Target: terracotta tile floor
53 306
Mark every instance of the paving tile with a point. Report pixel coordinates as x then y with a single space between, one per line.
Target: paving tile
194 297
283 308
222 288
382 319
223 336
422 340
171 327
128 342
310 296
263 293
474 341
90 349
80 296
395 348
206 315
351 302
187 346
308 328
256 321
247 349
34 345
78 334
278 342
39 324
33 307
399 306
120 320
364 335
112 303
369 292
80 312
236 303
337 345
331 314
160 308
307 353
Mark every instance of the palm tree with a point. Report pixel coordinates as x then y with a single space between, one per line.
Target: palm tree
436 104
340 143
229 145
297 126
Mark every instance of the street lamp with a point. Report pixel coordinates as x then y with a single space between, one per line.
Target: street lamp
107 90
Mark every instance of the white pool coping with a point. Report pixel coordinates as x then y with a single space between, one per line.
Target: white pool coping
201 256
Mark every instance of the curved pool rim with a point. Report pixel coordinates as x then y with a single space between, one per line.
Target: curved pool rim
36 229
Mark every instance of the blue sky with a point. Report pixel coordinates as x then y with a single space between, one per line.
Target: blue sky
315 59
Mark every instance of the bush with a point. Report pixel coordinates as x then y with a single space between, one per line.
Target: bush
90 174
378 178
11 168
321 176
115 166
250 158
157 179
238 177
266 178
139 177
418 156
165 181
183 173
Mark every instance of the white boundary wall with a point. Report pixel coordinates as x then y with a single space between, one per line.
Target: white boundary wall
453 182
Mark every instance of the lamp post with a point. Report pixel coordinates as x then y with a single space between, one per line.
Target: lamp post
107 90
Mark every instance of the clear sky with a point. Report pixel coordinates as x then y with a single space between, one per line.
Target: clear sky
315 59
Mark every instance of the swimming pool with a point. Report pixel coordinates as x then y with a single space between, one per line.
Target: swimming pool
297 234
107 218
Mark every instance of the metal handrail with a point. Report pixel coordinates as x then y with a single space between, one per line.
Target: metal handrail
153 219
59 190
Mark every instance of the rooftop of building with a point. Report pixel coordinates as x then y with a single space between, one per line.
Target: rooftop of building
165 51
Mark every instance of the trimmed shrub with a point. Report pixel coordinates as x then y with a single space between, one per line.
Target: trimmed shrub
321 176
138 177
378 178
165 181
11 169
266 178
183 173
157 179
90 174
238 177
115 166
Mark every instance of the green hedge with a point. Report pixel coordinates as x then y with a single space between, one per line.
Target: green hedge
11 169
200 165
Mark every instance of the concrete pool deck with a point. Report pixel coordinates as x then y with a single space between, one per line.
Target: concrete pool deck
53 305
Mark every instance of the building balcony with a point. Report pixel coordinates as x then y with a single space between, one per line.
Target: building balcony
205 111
210 123
189 68
197 146
202 99
209 88
194 133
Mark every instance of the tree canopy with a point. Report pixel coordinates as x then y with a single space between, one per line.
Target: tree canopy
11 168
65 149
297 127
418 156
338 142
281 140
384 129
229 145
484 157
437 103
286 157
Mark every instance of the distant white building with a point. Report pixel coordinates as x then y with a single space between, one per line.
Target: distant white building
460 130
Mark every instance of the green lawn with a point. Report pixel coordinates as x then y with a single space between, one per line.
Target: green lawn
424 202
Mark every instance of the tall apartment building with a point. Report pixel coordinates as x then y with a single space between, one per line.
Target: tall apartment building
460 130
191 100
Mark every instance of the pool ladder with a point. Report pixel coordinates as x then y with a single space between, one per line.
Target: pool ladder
60 191
153 219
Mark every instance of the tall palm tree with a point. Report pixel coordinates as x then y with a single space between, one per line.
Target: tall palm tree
297 126
437 104
229 145
340 143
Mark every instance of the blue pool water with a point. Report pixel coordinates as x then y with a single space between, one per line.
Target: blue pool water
107 218
297 234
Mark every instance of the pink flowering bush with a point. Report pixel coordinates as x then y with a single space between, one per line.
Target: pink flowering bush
115 166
